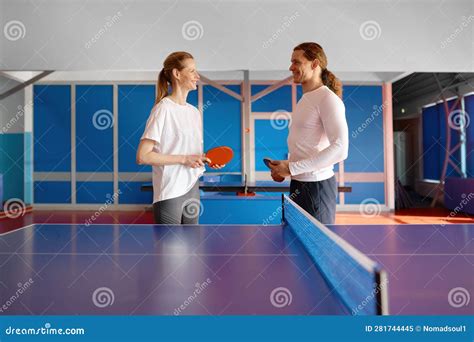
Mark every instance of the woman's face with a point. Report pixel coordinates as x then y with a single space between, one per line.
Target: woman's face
187 77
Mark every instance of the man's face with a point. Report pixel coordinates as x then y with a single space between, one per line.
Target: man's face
301 67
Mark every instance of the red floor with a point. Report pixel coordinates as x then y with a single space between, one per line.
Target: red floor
425 215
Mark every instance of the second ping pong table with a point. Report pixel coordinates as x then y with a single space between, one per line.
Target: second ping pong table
244 187
299 267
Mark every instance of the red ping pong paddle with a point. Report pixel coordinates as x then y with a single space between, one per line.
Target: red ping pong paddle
220 155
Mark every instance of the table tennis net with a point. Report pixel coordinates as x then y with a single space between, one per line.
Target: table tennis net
358 281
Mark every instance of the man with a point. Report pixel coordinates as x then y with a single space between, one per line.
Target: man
318 136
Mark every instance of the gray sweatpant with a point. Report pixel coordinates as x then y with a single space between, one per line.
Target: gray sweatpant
184 209
317 198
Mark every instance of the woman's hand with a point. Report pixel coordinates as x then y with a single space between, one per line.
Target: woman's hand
217 166
195 160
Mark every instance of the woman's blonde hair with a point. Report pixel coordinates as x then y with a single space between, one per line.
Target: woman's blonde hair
173 61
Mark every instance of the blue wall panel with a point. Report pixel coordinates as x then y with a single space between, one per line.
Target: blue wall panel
11 165
431 143
94 128
365 191
270 141
279 99
455 157
94 192
52 192
469 107
363 110
52 128
135 104
222 124
130 193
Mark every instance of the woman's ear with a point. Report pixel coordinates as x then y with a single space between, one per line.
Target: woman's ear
175 73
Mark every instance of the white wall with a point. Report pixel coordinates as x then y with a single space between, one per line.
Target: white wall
12 114
426 35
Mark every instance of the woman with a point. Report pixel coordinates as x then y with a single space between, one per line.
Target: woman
318 136
173 143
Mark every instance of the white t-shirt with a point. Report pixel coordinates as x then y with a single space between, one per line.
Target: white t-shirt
176 129
318 136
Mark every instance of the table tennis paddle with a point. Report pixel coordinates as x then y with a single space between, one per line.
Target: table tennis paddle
219 155
267 162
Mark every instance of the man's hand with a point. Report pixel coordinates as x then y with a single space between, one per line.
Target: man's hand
280 169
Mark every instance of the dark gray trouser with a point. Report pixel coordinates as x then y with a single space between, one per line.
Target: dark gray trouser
317 198
184 209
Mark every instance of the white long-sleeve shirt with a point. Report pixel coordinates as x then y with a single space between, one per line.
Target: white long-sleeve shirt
318 136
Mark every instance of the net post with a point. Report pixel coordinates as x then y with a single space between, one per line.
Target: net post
382 293
282 208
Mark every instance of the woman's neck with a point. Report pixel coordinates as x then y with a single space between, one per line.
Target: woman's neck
179 95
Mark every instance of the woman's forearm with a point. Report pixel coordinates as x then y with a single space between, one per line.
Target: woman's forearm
156 159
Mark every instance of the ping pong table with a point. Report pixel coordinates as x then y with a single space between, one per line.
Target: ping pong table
244 187
298 267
